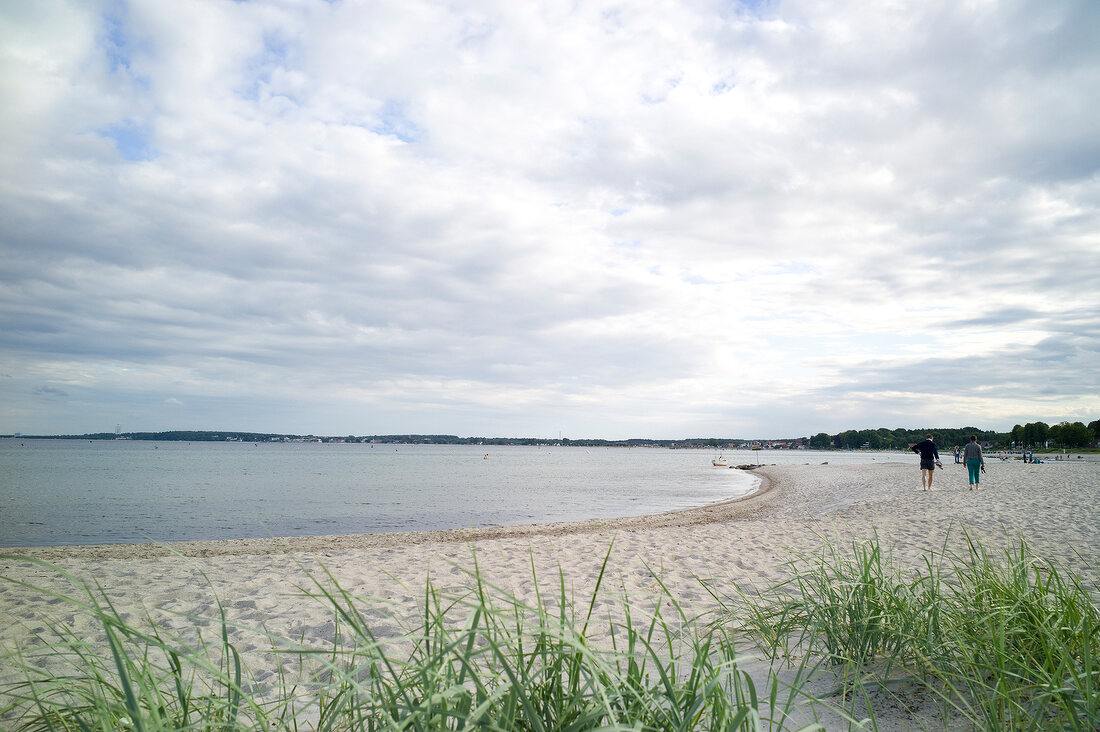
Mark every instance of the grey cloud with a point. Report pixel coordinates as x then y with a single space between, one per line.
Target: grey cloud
1071 322
1062 362
1006 316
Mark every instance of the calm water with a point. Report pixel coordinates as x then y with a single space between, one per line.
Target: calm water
80 492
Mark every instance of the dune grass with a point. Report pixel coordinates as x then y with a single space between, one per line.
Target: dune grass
1002 641
478 660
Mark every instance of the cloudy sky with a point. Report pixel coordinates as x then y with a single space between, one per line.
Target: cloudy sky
639 218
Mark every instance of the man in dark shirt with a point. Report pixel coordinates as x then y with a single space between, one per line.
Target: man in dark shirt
929 459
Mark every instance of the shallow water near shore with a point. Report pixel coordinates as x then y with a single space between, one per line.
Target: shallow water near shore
60 492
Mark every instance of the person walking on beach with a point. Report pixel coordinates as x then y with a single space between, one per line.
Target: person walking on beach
929 459
975 462
958 454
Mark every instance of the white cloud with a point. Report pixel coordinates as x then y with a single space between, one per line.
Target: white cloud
665 218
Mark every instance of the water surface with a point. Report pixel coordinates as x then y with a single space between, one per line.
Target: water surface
91 492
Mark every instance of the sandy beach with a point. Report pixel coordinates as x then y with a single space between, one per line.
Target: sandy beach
1053 506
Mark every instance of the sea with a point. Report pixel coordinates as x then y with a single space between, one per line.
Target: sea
79 492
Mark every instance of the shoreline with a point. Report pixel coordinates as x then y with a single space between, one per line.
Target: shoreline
726 510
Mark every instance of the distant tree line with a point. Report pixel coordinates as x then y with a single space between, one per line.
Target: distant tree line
1030 435
1063 434
901 438
171 436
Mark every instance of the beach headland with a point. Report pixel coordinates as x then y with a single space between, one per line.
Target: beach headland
747 542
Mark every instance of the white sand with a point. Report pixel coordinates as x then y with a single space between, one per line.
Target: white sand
1054 506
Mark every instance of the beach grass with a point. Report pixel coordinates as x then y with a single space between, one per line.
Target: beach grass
987 640
480 659
999 641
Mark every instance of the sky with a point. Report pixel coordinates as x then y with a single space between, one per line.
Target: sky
598 219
